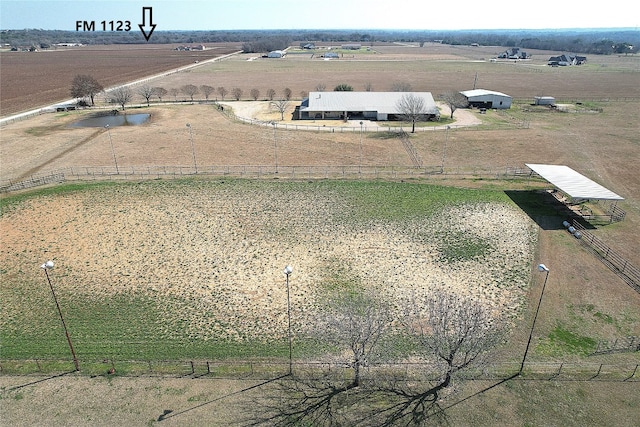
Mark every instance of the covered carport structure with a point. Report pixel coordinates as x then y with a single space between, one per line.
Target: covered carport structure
576 188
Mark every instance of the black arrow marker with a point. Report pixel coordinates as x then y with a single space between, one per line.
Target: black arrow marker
147 11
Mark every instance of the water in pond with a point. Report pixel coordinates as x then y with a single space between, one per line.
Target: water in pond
112 121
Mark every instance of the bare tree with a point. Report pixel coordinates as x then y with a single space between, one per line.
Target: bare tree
160 92
455 100
321 87
412 108
270 94
281 106
304 94
368 87
453 330
222 92
84 85
287 93
236 92
401 87
255 94
207 91
354 323
146 92
448 332
174 92
120 96
189 90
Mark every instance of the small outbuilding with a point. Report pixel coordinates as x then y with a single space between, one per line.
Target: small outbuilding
482 98
276 54
544 100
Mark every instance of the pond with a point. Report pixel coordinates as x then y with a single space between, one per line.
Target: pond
112 121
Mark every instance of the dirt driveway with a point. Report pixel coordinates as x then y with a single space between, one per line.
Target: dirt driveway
262 111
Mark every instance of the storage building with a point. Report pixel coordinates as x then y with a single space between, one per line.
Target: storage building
482 98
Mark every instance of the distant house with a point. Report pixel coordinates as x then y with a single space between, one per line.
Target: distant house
482 98
309 46
360 105
190 48
565 60
352 46
330 55
514 53
276 54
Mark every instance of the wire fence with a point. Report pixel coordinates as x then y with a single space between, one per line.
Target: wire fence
616 262
95 173
264 370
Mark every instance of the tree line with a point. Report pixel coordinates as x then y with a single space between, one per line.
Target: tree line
86 87
590 41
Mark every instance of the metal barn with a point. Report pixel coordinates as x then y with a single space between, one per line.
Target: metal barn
482 98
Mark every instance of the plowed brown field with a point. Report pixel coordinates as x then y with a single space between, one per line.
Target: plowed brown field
32 79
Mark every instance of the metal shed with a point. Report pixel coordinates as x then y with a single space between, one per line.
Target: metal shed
573 184
482 98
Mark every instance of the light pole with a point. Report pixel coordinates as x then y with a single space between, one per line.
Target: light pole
444 149
287 272
193 149
113 152
46 267
543 269
360 164
275 145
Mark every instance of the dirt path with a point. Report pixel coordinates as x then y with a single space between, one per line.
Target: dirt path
259 110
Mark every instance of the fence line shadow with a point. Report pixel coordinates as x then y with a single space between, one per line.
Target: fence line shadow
168 413
40 380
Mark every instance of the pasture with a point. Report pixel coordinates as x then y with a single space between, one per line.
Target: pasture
193 268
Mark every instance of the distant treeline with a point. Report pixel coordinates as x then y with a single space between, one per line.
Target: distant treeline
594 41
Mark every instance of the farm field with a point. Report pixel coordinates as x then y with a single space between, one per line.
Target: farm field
194 266
33 79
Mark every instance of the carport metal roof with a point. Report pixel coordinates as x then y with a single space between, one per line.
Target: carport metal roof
570 182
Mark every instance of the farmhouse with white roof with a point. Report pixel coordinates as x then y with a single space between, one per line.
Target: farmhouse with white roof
360 105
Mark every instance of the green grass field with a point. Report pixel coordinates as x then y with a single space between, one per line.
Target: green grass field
136 322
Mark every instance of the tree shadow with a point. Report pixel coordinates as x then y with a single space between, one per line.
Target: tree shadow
306 401
331 401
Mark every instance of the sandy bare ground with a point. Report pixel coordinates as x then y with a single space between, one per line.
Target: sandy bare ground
263 111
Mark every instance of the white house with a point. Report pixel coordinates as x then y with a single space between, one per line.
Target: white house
482 98
360 105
